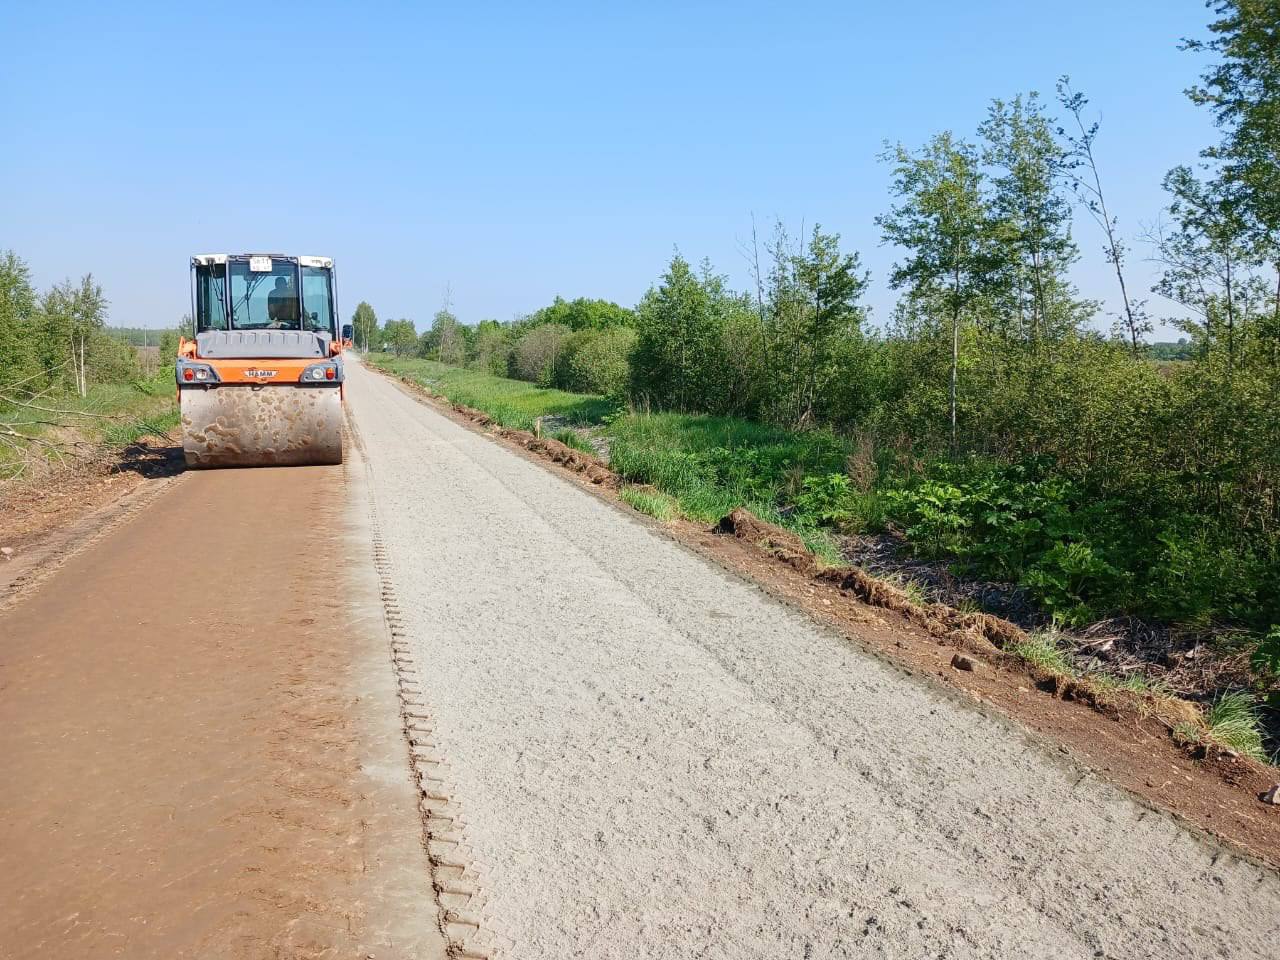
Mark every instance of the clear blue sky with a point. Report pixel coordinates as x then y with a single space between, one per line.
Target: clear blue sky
515 151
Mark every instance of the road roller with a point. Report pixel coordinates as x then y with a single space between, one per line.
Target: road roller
261 383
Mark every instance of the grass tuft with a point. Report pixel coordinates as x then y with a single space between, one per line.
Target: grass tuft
823 546
572 438
1044 649
910 588
1188 734
651 502
1232 722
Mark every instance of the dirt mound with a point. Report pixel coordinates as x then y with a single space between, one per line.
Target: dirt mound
471 413
782 544
563 454
979 632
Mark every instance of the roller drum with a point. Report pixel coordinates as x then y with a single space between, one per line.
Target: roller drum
260 426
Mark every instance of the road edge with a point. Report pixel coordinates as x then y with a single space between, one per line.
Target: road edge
23 576
456 878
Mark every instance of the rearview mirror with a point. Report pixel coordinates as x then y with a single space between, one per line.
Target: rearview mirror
347 331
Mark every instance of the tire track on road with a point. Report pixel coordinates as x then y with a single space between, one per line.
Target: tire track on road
456 877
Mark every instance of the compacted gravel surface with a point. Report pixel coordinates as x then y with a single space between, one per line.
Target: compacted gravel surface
652 759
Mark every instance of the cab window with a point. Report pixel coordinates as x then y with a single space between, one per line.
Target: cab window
211 297
262 299
317 300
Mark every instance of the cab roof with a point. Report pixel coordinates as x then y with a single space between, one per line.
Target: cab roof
206 259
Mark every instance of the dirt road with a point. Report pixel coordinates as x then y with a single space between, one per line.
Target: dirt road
650 758
200 747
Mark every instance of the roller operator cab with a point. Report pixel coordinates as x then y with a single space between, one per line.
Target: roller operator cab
262 382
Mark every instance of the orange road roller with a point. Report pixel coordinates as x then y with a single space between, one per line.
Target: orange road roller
261 384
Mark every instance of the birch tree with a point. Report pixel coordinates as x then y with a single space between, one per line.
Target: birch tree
1086 182
71 316
364 324
942 224
1028 165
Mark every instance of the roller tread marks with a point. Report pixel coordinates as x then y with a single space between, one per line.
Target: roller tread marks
456 876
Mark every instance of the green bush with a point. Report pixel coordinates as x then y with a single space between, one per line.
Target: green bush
537 353
934 515
1080 552
1068 578
1266 656
826 500
596 361
1016 522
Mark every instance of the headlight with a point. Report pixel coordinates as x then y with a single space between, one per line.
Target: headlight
322 373
193 373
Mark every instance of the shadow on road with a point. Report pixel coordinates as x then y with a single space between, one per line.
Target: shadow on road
150 459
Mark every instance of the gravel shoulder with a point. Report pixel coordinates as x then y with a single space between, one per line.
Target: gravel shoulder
655 759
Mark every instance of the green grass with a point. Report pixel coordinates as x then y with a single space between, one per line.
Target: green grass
1044 649
115 414
572 438
650 502
711 465
1232 722
512 403
716 463
131 431
103 400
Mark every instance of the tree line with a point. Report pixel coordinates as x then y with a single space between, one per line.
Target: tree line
1169 472
58 342
54 339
